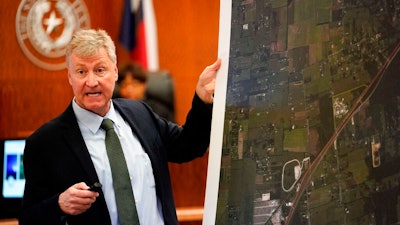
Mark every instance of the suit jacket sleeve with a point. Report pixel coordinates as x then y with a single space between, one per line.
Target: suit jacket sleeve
194 137
178 143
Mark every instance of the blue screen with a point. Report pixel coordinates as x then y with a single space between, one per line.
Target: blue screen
13 169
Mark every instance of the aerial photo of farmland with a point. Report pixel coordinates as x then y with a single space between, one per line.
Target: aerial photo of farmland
312 118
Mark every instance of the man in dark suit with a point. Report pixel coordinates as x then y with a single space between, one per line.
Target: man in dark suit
67 155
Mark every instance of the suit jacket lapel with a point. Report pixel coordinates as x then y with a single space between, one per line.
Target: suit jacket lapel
76 143
132 119
128 112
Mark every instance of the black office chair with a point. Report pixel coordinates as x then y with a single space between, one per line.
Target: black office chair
160 94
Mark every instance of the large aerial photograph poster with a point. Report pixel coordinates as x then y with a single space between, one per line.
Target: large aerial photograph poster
306 117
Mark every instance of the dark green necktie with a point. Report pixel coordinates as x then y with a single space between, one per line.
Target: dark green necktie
126 206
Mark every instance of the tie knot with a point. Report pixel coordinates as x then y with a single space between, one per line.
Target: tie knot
107 124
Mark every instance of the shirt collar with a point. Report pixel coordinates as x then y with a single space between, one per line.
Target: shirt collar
91 120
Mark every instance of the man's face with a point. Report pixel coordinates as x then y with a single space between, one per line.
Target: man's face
93 80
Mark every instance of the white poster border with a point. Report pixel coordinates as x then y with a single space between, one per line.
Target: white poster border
217 126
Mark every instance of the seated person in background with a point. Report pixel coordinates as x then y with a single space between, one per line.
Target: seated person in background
132 81
155 88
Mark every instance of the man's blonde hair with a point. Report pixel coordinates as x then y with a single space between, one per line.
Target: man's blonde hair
86 43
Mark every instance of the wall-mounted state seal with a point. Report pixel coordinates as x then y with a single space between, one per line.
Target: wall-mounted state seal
44 27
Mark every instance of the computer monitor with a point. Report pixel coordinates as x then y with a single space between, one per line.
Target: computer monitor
13 178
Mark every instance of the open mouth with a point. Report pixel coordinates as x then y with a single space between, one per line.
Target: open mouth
95 94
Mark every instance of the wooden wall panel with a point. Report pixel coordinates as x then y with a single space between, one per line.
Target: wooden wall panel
188 38
24 88
188 32
188 41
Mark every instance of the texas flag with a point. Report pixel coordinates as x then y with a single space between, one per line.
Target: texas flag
138 33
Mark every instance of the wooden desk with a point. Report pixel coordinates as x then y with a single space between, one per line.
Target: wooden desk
192 213
9 222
